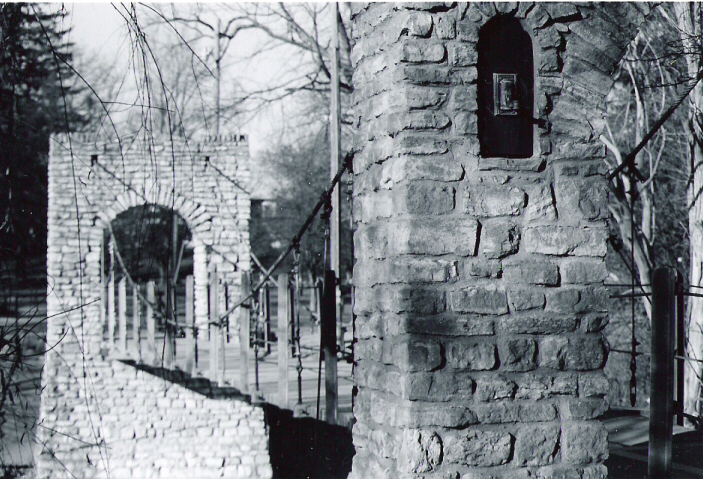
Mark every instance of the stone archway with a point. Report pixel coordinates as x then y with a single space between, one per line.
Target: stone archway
121 420
479 298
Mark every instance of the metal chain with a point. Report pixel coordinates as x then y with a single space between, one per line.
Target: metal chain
633 358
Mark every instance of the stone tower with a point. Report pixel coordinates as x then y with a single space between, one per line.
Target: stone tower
481 210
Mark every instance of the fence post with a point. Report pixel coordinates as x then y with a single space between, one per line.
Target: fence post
661 407
136 324
244 329
283 340
328 342
111 298
214 327
122 315
190 343
152 353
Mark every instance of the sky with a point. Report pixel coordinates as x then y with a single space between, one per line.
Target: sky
98 30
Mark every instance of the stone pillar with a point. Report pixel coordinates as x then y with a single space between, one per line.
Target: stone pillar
479 280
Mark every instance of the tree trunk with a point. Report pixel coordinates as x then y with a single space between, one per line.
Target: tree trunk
694 315
688 16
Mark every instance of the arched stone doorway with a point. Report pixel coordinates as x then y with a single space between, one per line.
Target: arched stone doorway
122 420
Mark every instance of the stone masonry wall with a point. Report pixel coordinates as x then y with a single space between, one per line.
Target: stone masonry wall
103 418
479 280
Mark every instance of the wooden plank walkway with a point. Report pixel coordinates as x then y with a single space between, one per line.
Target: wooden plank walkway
628 436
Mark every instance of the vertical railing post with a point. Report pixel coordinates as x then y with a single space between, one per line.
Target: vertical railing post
190 344
291 317
152 353
267 317
103 286
227 321
136 324
328 342
661 407
680 349
244 327
283 340
111 298
214 325
122 315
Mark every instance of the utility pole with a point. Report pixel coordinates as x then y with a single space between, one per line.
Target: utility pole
335 217
335 146
218 58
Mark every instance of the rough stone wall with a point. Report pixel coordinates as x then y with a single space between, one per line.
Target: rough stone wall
95 413
479 280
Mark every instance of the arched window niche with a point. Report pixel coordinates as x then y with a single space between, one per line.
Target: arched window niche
506 82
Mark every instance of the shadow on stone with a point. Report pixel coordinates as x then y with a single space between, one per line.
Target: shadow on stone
197 384
307 448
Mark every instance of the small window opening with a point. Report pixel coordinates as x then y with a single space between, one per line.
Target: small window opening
505 90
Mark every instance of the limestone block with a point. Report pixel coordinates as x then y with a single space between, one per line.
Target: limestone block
536 445
584 442
418 97
467 32
479 448
583 271
531 272
437 168
420 145
494 387
420 451
419 51
394 123
505 412
538 324
489 201
465 123
525 299
462 55
582 199
580 353
435 236
540 205
566 240
489 299
517 354
465 325
593 385
419 24
445 25
436 386
583 409
470 355
463 98
414 299
481 269
395 412
428 198
416 355
499 239
577 301
422 75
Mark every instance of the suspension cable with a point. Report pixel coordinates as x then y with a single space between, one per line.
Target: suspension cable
298 236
